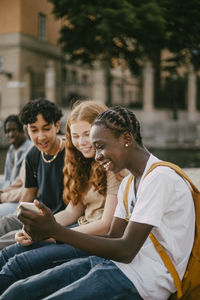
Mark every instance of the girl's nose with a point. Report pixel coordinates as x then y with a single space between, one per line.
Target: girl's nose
82 141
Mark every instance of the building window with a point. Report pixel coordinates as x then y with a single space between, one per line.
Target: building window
42 27
74 77
64 75
37 84
84 80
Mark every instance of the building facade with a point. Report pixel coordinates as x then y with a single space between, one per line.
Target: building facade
32 65
28 48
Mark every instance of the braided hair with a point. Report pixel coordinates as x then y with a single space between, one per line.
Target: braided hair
119 120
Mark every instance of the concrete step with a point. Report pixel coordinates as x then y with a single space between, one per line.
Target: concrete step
194 174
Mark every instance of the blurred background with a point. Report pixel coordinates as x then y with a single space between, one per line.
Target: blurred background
144 55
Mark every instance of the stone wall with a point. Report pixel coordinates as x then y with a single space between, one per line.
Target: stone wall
171 134
3 139
194 174
156 133
159 131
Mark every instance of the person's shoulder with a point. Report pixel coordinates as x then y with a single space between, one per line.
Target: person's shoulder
157 169
10 148
162 175
26 144
33 151
165 170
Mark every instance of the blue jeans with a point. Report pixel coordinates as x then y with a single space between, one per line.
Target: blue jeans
18 262
86 278
7 208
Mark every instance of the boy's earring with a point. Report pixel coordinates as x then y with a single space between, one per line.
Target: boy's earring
126 145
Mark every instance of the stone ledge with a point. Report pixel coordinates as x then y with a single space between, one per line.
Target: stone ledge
194 174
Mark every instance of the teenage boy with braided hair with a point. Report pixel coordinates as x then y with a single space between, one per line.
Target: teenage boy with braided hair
41 117
124 264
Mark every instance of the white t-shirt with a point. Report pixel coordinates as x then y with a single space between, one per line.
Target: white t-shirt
163 200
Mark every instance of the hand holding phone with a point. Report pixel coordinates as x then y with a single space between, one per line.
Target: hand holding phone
30 206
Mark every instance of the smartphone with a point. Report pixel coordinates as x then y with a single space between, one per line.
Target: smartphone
30 206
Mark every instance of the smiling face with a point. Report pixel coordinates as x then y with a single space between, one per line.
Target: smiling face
109 149
80 132
15 136
43 135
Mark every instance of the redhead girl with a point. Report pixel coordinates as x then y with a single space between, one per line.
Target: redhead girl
90 192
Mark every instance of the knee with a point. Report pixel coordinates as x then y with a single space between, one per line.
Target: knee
15 291
3 259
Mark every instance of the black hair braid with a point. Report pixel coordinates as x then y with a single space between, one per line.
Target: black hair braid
119 119
135 127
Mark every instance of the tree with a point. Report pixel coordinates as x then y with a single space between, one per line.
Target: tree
129 30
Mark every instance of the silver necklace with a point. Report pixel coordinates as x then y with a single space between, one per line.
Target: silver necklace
55 155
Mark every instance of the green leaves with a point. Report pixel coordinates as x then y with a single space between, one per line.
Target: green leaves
129 29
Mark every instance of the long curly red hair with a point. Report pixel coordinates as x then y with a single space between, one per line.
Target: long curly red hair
80 172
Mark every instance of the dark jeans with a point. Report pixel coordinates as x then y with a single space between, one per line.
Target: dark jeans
86 278
18 262
9 225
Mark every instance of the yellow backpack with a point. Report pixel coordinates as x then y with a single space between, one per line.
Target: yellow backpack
189 288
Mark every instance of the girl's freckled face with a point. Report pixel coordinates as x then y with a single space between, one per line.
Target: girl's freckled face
80 135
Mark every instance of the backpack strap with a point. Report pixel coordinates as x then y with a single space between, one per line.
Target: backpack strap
177 169
168 263
164 256
125 199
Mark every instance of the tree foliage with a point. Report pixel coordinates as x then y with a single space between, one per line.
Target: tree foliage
131 29
132 32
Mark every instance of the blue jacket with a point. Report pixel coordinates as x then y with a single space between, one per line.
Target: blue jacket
21 154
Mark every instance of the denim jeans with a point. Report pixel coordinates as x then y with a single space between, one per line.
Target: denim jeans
8 227
18 262
9 223
86 278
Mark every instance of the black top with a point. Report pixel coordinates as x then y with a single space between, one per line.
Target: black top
49 179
